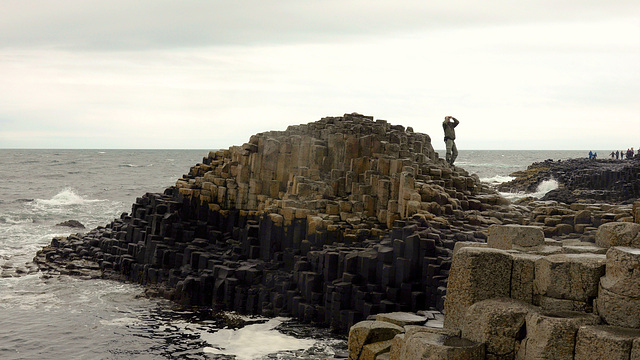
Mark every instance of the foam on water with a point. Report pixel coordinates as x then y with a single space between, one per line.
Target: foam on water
542 189
253 341
498 179
545 187
65 198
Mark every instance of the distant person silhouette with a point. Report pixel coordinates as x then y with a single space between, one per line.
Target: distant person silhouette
449 125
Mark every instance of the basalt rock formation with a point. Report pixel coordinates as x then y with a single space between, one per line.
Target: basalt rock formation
329 222
582 180
520 296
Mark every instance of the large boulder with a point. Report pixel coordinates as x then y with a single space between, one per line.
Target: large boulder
623 271
605 342
523 275
618 301
618 310
369 332
498 323
569 276
552 335
507 237
476 274
618 234
431 346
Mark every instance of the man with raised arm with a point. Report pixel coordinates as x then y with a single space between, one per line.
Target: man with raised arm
449 125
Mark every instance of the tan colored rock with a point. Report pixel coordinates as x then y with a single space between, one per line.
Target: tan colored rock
368 332
636 212
507 236
635 350
397 344
460 244
623 271
498 323
372 351
522 276
605 342
583 217
618 310
569 276
618 234
552 335
425 345
586 248
476 274
552 304
401 318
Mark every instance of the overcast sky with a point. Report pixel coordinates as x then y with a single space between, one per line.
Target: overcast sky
561 74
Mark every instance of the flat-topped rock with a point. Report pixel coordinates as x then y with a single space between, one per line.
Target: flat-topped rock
401 318
618 234
507 237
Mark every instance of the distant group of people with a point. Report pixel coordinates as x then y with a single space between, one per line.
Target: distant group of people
621 154
593 155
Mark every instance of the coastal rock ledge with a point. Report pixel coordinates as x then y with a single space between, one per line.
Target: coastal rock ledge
329 222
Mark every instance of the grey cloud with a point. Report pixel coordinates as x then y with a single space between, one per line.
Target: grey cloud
118 24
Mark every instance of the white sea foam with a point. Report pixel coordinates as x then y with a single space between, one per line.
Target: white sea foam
498 179
124 321
65 198
543 188
15 220
253 341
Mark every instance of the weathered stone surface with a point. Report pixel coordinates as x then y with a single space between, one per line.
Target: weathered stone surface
461 244
618 234
368 332
618 310
476 274
584 249
553 304
397 344
605 342
636 212
425 345
569 276
552 335
372 351
623 271
401 318
498 323
583 217
522 276
507 237
635 350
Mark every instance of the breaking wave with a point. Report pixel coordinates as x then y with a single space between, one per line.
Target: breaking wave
498 179
66 197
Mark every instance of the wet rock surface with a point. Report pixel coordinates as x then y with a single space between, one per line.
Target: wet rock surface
581 180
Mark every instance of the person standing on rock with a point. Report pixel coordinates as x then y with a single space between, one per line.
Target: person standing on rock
449 125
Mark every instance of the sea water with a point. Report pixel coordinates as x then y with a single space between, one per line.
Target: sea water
62 317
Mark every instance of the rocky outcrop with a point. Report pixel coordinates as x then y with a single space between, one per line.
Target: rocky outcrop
581 180
71 223
540 301
329 222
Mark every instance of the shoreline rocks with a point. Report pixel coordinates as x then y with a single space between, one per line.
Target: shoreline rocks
329 222
582 306
581 180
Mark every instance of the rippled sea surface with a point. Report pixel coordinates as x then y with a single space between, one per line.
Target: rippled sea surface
61 317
